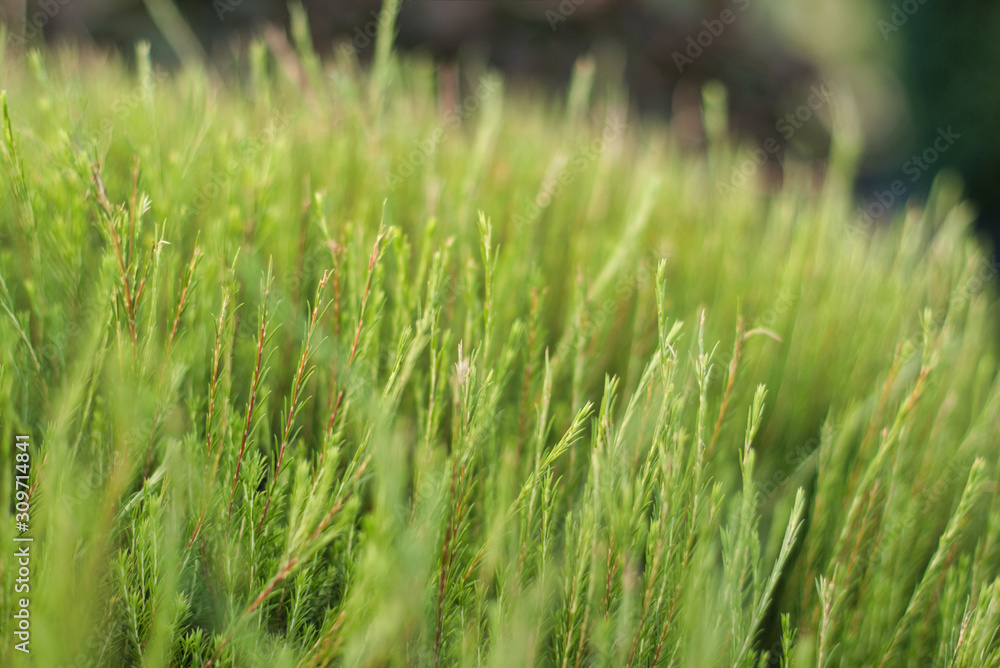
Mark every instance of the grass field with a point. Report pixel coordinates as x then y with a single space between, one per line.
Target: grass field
322 367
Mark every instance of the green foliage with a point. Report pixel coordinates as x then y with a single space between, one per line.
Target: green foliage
322 369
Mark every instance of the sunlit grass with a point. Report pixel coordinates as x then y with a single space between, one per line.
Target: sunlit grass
323 368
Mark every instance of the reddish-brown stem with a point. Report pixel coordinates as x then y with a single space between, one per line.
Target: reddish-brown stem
372 261
133 204
275 581
526 386
296 389
335 253
288 566
442 579
253 399
333 413
282 574
475 562
339 504
127 293
733 364
666 626
211 409
142 281
646 601
197 528
215 374
183 297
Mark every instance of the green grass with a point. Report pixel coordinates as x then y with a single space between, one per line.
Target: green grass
318 369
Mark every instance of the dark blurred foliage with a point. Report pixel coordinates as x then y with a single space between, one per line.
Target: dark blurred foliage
947 57
541 40
951 69
532 41
122 22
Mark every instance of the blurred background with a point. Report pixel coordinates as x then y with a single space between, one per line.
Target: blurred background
919 79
